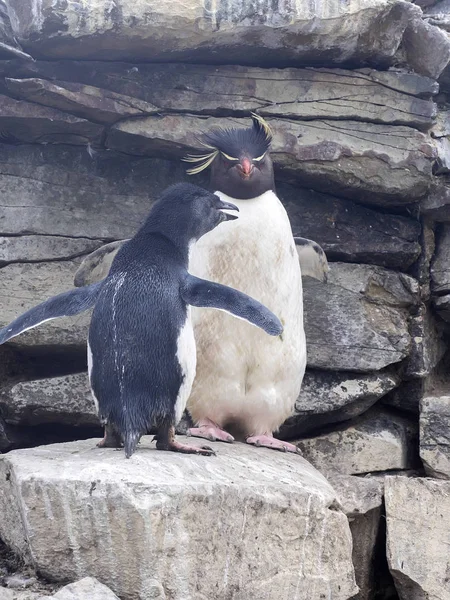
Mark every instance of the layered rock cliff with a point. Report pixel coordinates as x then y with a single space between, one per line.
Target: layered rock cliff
99 101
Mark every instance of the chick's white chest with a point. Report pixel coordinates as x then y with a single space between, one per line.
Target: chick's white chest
244 375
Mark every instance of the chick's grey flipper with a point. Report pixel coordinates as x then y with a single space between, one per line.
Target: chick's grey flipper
206 294
312 259
64 305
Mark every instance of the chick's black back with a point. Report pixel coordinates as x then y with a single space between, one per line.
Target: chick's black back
133 335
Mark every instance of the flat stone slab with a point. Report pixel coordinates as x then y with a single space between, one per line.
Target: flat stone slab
202 31
250 522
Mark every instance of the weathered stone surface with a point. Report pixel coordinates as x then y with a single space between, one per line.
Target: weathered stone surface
436 203
66 399
435 435
87 588
228 31
28 122
24 285
376 441
418 517
35 248
105 91
84 101
440 267
427 48
61 190
328 397
358 321
350 232
164 508
361 500
371 163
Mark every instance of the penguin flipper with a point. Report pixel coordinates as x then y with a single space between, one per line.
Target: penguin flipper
207 294
97 264
63 305
312 259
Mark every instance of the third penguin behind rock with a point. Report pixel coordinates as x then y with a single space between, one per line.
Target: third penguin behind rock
141 348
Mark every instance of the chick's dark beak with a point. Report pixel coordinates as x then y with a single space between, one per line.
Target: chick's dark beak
227 206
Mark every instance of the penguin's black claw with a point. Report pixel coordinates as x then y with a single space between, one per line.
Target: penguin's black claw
208 451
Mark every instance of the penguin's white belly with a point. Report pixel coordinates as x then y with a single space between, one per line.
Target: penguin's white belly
244 376
186 356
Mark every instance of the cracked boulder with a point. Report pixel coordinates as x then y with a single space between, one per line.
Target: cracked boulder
418 518
66 399
377 164
358 321
378 440
357 32
90 512
328 397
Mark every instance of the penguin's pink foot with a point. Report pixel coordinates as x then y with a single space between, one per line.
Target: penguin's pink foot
268 441
210 431
165 440
175 446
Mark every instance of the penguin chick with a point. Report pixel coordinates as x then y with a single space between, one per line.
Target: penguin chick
141 348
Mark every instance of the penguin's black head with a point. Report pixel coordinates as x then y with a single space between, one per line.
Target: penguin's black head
185 212
241 166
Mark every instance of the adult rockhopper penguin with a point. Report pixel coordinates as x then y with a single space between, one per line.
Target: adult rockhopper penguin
141 347
246 383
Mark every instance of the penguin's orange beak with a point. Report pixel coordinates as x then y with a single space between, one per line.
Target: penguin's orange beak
245 168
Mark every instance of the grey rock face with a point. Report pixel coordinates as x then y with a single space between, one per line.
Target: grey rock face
358 321
196 32
29 284
84 101
28 122
434 435
376 441
105 92
418 517
34 248
66 399
63 191
346 158
350 232
328 397
163 505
